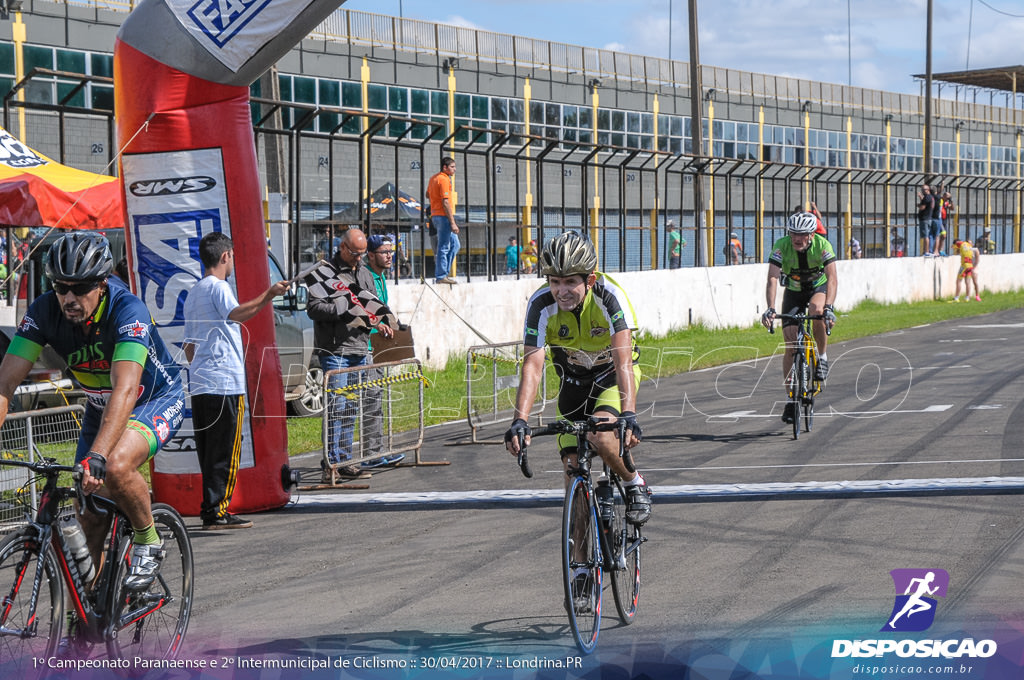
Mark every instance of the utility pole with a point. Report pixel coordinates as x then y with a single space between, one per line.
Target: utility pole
697 139
928 96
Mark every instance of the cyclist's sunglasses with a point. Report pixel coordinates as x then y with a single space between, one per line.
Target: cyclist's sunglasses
78 289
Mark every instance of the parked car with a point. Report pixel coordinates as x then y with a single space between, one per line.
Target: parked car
301 373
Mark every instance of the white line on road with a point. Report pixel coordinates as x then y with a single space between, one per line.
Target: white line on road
690 491
733 415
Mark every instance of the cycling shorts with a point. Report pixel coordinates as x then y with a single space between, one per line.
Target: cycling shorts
580 399
965 271
156 420
796 301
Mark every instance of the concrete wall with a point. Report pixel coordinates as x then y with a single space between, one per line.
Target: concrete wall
447 320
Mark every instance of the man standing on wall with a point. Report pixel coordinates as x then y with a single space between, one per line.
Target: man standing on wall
213 347
441 192
344 309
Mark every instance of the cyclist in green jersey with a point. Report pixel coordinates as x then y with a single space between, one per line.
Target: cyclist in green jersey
806 263
587 321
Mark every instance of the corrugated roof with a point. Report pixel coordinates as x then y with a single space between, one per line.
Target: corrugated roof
1005 78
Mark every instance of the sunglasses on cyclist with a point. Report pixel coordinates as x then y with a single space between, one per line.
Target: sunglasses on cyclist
77 289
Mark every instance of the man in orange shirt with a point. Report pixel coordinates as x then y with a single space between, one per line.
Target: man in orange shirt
442 218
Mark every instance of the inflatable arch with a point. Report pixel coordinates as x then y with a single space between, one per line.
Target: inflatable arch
182 71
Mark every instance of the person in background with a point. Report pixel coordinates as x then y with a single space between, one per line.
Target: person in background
820 228
512 252
344 309
530 257
969 257
214 349
946 214
925 206
986 243
733 250
380 253
855 251
675 245
441 191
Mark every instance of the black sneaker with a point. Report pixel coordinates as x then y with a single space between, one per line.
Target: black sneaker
787 412
228 521
821 371
638 504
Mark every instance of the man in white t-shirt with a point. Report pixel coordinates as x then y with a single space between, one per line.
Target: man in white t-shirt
213 347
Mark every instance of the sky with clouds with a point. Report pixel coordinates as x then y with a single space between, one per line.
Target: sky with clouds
877 44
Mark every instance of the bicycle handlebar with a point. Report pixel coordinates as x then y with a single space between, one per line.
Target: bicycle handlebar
799 318
49 467
581 428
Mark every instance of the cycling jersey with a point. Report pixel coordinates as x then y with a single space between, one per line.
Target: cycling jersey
581 339
806 270
120 329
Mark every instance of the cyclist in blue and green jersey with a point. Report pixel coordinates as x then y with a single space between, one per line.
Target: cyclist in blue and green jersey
806 263
136 400
588 322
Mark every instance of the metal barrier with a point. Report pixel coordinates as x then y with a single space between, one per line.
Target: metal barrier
501 361
383 404
28 435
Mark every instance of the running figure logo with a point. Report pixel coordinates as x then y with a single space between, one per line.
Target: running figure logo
914 609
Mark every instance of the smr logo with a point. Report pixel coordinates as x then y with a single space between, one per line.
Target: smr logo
916 590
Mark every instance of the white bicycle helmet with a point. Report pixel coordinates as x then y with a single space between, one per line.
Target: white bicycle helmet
803 223
568 254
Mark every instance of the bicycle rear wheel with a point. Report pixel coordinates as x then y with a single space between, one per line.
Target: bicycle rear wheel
32 636
626 582
151 624
581 565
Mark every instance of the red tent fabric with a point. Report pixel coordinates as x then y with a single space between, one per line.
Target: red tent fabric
36 191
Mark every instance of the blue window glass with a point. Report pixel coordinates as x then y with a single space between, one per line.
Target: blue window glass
377 97
420 100
6 58
351 95
329 92
71 61
398 99
102 65
304 91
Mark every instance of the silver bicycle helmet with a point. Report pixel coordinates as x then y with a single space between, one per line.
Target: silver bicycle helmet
803 223
79 256
568 254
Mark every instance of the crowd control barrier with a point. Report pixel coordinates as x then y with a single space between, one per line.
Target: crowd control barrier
32 435
492 378
380 406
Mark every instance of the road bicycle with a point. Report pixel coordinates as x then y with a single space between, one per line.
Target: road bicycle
38 560
596 538
802 383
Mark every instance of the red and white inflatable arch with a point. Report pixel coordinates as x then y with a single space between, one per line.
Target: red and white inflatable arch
182 71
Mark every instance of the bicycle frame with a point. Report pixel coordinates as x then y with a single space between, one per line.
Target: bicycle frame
585 452
93 612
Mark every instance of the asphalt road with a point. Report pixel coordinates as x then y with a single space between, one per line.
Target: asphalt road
459 564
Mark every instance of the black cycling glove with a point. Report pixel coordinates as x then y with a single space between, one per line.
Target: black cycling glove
519 430
830 316
768 315
96 465
629 418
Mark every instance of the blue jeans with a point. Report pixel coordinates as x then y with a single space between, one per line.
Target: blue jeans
447 246
341 411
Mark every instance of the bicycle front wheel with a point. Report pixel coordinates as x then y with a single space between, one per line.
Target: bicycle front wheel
799 387
626 582
29 636
808 396
581 565
151 623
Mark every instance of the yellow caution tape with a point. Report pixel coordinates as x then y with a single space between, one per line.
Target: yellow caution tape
350 390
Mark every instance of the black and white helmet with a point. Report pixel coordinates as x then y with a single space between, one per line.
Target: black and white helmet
568 254
803 223
79 256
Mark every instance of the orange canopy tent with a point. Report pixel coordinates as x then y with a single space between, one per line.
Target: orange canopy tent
36 191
